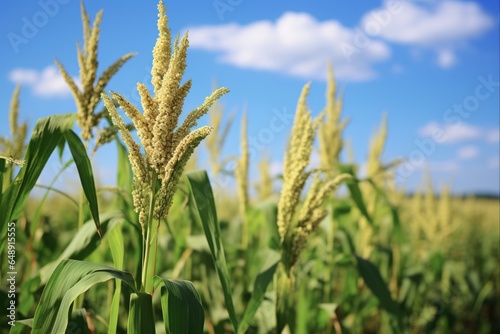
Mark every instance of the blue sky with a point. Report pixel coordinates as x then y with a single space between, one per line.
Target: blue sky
431 65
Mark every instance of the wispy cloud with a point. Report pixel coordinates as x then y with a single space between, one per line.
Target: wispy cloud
295 44
468 152
455 133
450 133
45 83
442 26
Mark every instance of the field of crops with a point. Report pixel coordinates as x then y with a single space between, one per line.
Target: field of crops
172 249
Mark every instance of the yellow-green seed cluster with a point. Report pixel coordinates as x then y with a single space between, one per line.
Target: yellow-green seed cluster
265 185
88 97
13 148
295 232
215 142
167 145
330 131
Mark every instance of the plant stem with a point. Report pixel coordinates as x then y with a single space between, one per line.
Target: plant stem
146 279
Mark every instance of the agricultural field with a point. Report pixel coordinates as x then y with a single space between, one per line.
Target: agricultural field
319 247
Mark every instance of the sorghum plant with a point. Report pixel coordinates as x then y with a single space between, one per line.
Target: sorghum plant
167 145
294 229
88 97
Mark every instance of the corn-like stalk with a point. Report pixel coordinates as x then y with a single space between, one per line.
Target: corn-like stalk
265 185
242 179
13 148
376 172
296 227
330 131
167 145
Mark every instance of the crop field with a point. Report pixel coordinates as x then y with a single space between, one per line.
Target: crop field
319 247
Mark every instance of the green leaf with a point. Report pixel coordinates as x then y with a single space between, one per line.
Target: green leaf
84 168
70 279
374 281
116 245
259 289
181 306
141 316
2 172
47 134
355 191
202 199
22 327
398 230
84 242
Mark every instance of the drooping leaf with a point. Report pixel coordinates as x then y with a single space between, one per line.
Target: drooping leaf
70 279
85 172
85 241
202 199
47 135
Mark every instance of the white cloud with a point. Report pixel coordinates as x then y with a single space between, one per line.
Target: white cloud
468 152
45 83
443 166
295 44
442 26
450 133
436 24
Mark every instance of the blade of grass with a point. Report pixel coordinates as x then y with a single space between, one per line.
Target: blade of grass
202 199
